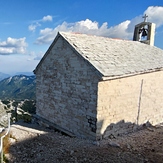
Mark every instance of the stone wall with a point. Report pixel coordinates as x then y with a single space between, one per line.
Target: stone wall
127 103
69 94
66 90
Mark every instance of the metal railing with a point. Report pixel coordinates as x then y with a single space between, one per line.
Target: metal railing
6 132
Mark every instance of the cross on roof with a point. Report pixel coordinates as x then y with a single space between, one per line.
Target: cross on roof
145 17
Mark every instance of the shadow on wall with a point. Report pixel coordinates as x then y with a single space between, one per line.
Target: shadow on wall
120 128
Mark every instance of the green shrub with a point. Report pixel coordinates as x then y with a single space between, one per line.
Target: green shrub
15 103
29 106
6 102
27 118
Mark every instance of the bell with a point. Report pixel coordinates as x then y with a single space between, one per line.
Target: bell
140 31
144 32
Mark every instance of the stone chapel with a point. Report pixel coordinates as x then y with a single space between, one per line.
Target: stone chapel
94 87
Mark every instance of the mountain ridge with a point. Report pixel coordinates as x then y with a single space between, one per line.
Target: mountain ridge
18 87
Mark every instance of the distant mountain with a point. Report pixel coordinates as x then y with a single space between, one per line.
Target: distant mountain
3 76
24 73
18 87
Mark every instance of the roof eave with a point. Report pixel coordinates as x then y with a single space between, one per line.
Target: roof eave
131 74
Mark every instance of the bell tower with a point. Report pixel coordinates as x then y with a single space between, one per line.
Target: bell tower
144 32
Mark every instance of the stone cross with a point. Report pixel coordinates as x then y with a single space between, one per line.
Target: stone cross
145 17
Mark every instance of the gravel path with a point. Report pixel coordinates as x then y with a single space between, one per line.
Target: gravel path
31 143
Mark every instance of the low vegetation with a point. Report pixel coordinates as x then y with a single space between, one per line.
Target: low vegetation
28 106
20 110
6 144
17 96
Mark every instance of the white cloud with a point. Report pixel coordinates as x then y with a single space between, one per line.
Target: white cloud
46 30
119 31
155 15
13 46
85 26
47 35
32 27
124 30
35 56
47 18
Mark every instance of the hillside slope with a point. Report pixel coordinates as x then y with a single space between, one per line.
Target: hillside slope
18 87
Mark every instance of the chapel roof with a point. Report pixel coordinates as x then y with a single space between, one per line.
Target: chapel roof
114 57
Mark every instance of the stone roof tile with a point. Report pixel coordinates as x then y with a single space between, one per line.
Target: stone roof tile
114 57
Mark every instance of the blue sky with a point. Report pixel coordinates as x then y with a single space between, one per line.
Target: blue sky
28 27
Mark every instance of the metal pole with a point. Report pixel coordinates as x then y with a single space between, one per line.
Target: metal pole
1 147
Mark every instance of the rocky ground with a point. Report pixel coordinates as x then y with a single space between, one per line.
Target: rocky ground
32 144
